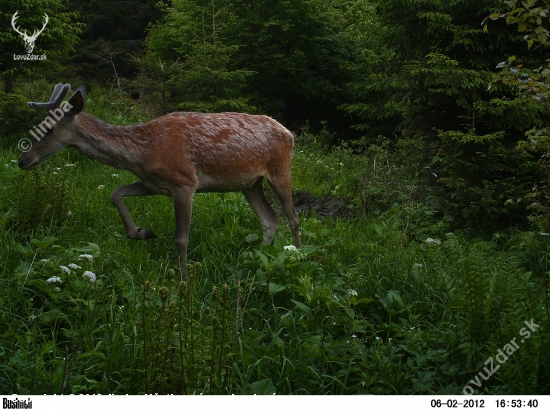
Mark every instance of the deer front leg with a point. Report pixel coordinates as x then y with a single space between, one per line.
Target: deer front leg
183 202
117 197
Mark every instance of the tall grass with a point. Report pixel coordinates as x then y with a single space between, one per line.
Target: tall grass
367 305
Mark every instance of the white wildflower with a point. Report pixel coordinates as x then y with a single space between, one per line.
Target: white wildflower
436 241
100 187
69 213
74 266
353 336
54 173
70 165
378 338
89 275
65 269
352 292
31 318
14 161
114 175
57 289
417 265
85 256
54 279
44 260
295 254
57 168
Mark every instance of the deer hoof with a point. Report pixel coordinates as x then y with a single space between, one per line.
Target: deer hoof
145 234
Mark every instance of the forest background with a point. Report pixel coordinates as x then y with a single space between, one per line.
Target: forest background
421 171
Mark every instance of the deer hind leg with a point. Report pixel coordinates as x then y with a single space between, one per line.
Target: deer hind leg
183 205
117 198
257 201
282 186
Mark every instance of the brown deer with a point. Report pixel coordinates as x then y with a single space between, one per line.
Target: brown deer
177 155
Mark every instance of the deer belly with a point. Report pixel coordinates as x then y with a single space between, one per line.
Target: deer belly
228 183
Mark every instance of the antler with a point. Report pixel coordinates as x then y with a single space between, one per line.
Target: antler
59 93
37 32
15 17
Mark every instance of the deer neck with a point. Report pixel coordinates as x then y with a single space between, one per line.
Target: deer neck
121 147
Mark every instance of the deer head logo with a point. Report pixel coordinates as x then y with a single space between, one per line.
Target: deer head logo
29 40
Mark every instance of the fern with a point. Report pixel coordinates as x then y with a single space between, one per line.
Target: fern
41 198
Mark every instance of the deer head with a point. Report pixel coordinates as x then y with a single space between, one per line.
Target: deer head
29 40
56 131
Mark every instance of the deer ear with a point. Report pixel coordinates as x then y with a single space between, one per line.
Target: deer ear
76 102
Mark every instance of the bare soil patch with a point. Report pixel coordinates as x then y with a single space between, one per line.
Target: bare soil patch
328 205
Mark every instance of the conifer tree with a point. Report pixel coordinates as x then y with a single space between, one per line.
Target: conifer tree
56 42
203 80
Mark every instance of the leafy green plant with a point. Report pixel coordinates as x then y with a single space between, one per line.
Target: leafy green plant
373 303
15 116
484 182
41 197
186 346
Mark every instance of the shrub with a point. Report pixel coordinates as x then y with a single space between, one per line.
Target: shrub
41 197
483 181
15 116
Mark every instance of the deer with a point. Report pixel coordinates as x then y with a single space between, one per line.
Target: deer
178 155
29 40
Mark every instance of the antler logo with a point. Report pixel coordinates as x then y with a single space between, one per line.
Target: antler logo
29 40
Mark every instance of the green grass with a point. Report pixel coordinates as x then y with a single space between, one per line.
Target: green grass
366 306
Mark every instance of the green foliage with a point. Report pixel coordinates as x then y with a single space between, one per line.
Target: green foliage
188 62
494 290
537 142
41 197
382 297
117 26
108 105
372 305
298 55
532 84
186 346
14 115
56 41
16 118
371 178
529 16
434 90
156 81
484 182
282 58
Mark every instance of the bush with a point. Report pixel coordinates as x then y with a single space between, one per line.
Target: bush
484 182
15 116
40 198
